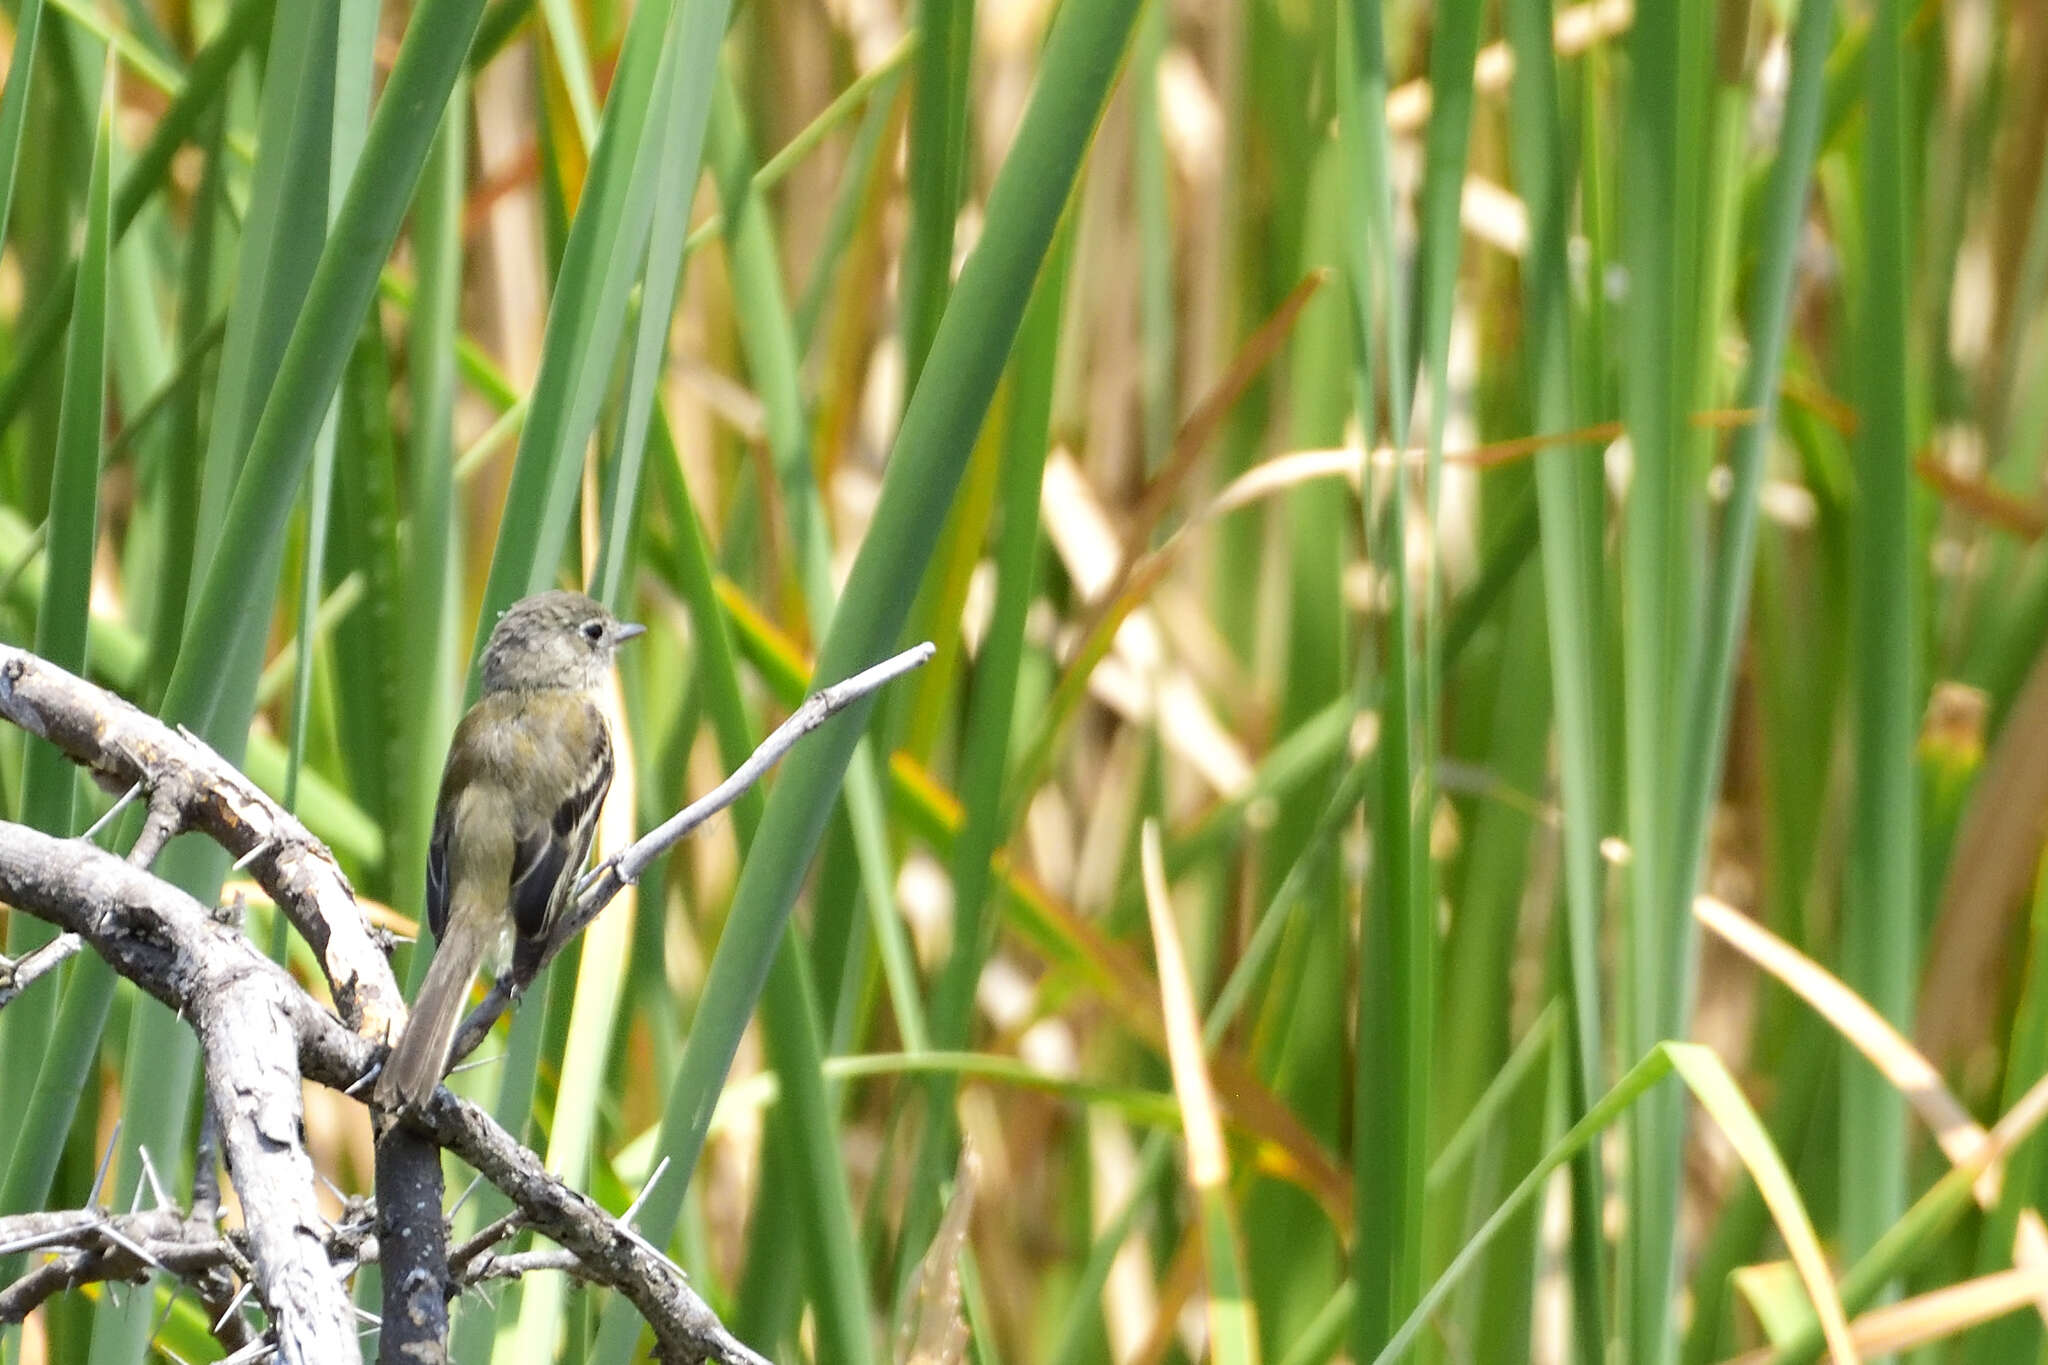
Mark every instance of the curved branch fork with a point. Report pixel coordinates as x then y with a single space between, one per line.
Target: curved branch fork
242 1005
191 787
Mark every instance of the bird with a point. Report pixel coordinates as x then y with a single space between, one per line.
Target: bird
526 774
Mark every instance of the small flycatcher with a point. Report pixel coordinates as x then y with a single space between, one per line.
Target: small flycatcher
527 771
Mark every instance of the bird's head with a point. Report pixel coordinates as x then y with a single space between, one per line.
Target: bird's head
553 639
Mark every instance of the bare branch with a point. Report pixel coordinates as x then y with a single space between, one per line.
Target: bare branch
611 1254
159 827
169 945
240 1003
492 1233
412 1241
18 974
191 786
627 866
514 1264
92 1245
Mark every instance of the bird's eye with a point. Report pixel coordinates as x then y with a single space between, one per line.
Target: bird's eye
593 631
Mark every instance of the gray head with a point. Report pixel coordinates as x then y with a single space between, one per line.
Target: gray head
553 639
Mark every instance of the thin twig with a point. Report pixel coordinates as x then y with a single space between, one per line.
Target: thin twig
514 1264
492 1233
90 1245
18 974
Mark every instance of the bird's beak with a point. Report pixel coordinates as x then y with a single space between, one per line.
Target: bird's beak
627 630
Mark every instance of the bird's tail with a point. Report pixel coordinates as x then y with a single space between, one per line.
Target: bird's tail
416 1065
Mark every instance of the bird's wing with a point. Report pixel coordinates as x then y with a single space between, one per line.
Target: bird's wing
437 873
465 753
547 858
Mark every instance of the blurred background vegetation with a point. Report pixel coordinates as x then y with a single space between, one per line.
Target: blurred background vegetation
1441 486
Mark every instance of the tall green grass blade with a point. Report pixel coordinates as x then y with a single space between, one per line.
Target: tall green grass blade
871 90
281 235
1661 155
1474 1020
984 758
677 124
985 745
939 428
343 283
355 35
359 723
936 167
180 473
1362 83
863 164
201 92
1324 1336
1153 188
656 112
769 1299
500 24
28 20
1453 47
1784 214
1707 1078
60 1083
839 1295
1570 504
142 58
1880 932
33 1045
649 355
1301 1028
1397 948
1234 1331
573 61
69 535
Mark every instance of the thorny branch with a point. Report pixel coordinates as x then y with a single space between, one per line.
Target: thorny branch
87 1245
241 1003
159 937
164 941
192 787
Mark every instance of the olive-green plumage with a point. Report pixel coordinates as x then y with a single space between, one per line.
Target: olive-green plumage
526 774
